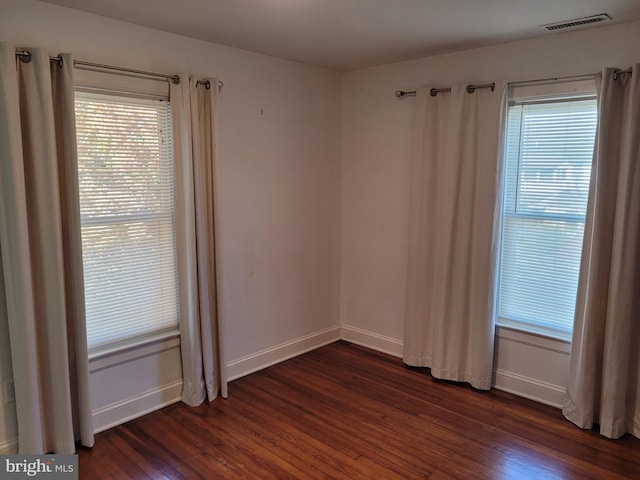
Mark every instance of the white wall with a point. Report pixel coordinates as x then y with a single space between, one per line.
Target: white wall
377 130
280 199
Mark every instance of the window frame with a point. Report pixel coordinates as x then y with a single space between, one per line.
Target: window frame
104 83
536 94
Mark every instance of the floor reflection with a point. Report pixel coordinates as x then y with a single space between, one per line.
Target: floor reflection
524 464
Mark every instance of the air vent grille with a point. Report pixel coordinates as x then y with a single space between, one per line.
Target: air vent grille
576 22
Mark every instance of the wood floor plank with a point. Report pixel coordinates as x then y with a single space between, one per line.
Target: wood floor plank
347 412
330 427
378 433
336 463
412 425
547 429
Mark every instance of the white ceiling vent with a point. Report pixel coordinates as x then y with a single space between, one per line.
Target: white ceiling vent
576 22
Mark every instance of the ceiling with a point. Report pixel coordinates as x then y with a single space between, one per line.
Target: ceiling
350 34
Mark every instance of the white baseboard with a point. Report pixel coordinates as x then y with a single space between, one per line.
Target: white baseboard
270 356
530 388
10 447
123 411
520 385
372 340
134 407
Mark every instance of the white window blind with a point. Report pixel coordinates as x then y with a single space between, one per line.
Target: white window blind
125 169
547 173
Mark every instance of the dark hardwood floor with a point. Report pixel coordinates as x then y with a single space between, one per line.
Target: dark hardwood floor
347 412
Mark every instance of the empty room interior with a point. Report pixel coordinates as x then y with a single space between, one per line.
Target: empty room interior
321 239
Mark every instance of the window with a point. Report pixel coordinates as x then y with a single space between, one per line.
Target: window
548 168
125 169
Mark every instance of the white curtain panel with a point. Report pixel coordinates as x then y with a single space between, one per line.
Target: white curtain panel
195 122
41 252
604 374
454 233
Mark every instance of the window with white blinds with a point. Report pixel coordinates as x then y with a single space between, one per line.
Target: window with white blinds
548 168
125 169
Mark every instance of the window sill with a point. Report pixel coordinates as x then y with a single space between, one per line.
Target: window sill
117 353
545 340
552 333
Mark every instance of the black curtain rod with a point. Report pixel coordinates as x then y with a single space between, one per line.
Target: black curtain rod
25 56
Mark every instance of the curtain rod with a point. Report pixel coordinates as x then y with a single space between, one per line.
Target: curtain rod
617 73
25 56
434 91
